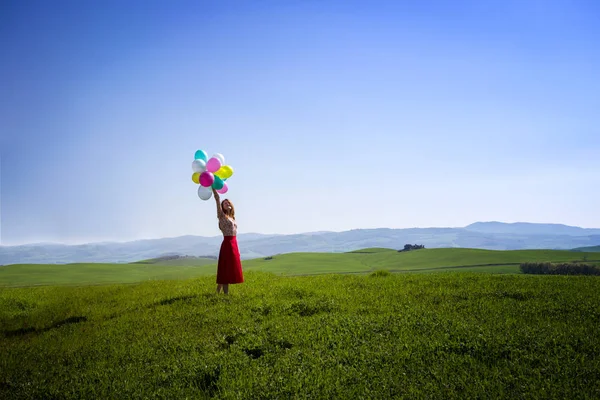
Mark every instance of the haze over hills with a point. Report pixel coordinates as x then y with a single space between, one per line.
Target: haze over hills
527 228
591 249
482 235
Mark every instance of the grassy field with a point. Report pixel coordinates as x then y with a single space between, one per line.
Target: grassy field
360 262
419 260
92 274
453 335
179 262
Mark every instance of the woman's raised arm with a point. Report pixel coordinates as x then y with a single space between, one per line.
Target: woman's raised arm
218 200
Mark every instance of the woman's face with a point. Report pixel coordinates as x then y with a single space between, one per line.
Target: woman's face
226 205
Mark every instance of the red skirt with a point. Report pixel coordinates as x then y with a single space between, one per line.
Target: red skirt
229 269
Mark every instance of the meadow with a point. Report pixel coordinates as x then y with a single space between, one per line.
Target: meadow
378 336
358 262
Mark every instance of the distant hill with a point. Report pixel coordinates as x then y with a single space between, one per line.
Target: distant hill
356 262
526 228
482 235
590 249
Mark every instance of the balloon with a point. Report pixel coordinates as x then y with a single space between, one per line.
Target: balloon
213 165
199 166
219 173
224 189
201 155
224 172
218 183
210 173
204 193
219 157
206 179
196 177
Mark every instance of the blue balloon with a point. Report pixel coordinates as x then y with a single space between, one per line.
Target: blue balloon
201 155
218 183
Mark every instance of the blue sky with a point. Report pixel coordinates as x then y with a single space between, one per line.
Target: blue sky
334 114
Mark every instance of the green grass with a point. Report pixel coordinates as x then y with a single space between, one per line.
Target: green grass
368 260
179 262
451 335
495 269
93 274
358 262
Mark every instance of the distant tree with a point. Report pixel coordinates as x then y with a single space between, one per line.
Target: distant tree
409 247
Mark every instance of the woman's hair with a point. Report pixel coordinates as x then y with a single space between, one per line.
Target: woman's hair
229 213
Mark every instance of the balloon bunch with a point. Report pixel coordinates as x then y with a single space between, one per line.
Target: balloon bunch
210 173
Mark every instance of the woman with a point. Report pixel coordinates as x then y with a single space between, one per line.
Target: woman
229 268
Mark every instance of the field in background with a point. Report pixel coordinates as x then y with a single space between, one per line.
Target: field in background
92 274
357 262
451 335
184 261
368 260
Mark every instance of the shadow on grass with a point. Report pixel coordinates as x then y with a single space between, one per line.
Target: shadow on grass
25 331
172 300
208 380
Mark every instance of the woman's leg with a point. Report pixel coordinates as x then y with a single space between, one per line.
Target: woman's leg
219 286
226 288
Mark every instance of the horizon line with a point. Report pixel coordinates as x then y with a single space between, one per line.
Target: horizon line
107 241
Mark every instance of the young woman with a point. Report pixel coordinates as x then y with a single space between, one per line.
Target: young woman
229 268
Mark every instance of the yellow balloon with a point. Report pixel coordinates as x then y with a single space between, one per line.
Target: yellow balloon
220 172
225 172
196 177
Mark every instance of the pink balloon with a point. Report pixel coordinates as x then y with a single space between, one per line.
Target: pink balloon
213 165
206 179
224 189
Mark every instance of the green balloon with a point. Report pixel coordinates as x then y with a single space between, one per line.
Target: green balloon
218 183
201 155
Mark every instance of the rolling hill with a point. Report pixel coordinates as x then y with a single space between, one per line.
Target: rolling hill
593 249
368 260
177 260
527 228
490 236
356 262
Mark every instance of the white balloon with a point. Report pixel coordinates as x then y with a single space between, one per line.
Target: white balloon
220 157
204 193
199 166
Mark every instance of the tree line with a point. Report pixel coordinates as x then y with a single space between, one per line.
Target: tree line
560 268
